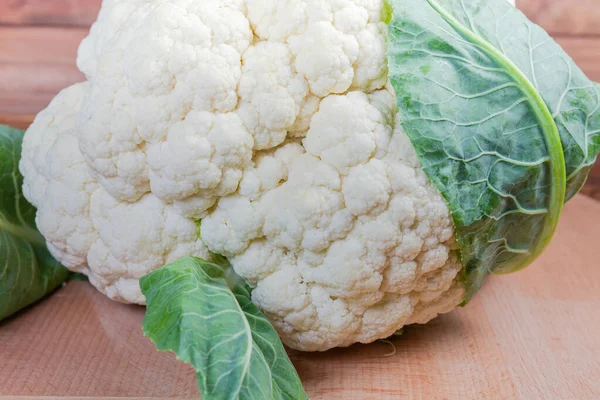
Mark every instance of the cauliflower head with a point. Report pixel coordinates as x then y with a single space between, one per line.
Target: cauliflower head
262 130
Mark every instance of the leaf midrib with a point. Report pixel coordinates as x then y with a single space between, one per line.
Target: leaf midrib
547 123
247 329
28 234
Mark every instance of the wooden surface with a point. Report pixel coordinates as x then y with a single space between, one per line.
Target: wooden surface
531 335
39 38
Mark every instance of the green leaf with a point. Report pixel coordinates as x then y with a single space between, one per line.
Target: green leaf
27 270
196 309
505 124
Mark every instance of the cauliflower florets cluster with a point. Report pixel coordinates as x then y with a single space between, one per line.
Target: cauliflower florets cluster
262 130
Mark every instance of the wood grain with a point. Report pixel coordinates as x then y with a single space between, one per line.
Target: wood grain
592 186
564 17
585 51
21 121
530 336
35 64
79 343
49 12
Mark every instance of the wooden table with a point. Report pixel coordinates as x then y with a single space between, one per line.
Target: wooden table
531 335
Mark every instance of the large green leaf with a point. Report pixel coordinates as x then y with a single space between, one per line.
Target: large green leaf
505 124
203 313
27 270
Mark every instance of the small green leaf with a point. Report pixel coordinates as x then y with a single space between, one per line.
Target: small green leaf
27 270
505 124
195 309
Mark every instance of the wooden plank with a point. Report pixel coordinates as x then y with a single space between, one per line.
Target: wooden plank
78 343
529 336
585 51
49 12
35 64
564 17
21 121
592 186
35 45
552 364
43 79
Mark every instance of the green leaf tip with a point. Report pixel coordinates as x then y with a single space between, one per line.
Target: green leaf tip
196 309
504 138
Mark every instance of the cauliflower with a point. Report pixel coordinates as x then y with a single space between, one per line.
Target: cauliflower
262 130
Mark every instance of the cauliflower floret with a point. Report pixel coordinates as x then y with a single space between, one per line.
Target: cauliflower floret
325 58
335 137
135 239
113 242
202 158
57 181
166 59
262 130
271 93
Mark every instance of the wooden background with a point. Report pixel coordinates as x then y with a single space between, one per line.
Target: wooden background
39 38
